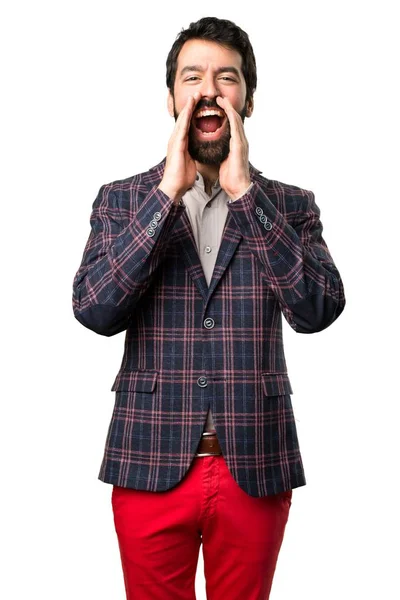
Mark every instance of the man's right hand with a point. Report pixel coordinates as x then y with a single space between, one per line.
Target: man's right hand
180 168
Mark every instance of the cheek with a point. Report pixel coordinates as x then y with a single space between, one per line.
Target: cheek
237 100
181 99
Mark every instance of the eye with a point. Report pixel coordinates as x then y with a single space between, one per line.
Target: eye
228 79
192 78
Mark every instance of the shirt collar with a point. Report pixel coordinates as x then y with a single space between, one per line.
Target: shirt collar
200 182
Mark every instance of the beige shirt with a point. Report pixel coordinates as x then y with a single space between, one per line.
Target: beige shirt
207 216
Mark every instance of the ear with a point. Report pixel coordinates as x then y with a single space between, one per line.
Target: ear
249 107
170 104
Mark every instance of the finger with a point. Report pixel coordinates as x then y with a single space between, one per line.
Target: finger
185 116
190 109
235 121
181 117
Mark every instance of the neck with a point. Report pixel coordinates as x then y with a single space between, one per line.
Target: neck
209 173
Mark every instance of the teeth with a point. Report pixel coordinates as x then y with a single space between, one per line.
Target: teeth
208 112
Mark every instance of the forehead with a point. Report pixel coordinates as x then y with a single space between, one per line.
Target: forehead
207 54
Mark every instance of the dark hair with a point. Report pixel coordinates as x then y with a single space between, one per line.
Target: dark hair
222 32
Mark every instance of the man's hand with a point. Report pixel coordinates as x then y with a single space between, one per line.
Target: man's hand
180 168
234 173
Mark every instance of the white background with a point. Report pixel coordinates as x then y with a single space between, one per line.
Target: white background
84 103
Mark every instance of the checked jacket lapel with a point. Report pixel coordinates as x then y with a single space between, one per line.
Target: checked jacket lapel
230 239
185 239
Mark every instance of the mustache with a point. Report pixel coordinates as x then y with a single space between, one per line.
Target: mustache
203 103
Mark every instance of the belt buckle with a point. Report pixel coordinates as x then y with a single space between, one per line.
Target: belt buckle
205 435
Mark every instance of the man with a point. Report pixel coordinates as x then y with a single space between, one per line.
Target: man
196 259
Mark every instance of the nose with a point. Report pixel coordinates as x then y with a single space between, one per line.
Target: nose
209 88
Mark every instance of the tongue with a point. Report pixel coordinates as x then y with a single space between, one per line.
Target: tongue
208 124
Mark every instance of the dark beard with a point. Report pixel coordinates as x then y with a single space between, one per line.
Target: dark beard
213 152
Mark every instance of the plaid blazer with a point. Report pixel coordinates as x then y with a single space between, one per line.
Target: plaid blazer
189 346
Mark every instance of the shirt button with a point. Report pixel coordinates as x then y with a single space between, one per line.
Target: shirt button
150 232
259 211
268 225
202 382
209 323
153 224
157 216
208 249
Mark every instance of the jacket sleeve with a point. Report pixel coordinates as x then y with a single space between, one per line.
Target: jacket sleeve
120 258
294 259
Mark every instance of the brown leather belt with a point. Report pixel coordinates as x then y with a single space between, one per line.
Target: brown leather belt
208 445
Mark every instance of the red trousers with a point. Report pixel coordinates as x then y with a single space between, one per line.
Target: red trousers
160 533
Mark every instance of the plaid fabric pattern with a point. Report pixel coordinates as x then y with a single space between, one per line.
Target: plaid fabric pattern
189 346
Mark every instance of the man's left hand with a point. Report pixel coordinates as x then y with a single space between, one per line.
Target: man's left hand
234 174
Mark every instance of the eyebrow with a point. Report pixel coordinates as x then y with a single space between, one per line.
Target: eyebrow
200 69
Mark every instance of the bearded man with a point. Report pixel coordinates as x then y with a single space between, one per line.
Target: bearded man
197 259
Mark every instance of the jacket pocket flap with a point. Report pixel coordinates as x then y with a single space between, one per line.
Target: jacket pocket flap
135 381
276 384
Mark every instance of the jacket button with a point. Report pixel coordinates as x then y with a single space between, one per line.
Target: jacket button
202 382
259 211
209 323
268 225
150 232
153 224
157 216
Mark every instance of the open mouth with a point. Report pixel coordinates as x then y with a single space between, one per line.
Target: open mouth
208 121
